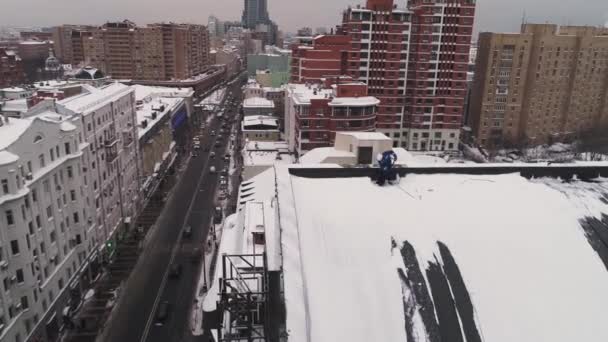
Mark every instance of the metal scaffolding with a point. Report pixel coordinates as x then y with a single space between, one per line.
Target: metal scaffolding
244 293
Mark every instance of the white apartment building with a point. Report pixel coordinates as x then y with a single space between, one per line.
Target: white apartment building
69 183
45 234
109 127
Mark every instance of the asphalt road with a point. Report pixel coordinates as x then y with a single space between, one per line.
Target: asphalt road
191 203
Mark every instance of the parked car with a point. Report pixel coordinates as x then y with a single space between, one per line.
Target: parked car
212 154
212 169
212 133
162 312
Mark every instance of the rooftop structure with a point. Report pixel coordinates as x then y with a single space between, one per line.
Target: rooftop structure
361 149
390 267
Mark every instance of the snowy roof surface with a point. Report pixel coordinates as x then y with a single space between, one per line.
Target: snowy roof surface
267 153
302 93
355 101
7 158
259 188
67 127
12 90
320 154
508 261
11 131
142 91
367 135
255 120
87 103
144 112
258 102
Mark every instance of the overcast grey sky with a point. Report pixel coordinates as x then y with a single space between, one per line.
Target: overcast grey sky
492 15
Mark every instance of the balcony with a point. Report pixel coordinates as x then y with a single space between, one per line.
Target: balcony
111 141
111 153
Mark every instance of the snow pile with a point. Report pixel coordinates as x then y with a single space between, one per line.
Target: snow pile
518 246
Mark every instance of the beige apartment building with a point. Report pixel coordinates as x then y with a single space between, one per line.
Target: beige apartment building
69 42
155 52
544 84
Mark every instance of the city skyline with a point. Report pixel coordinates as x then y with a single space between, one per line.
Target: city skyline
493 15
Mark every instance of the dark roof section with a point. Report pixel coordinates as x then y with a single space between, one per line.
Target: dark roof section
563 171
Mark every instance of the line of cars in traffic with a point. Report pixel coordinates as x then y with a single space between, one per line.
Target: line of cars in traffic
196 255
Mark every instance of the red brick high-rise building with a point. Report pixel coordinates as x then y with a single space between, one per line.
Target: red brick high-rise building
413 60
437 72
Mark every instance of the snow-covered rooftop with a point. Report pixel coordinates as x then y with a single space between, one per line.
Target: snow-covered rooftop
257 120
154 105
459 257
12 90
302 93
11 131
142 92
67 127
266 153
86 103
367 135
259 188
354 101
257 102
320 154
7 158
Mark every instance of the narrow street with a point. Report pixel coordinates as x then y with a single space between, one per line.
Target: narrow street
191 203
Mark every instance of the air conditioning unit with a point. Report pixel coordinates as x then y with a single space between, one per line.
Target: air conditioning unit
14 279
3 264
18 306
29 176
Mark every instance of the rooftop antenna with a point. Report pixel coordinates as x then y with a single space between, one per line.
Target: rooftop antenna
523 17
